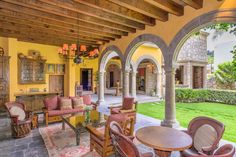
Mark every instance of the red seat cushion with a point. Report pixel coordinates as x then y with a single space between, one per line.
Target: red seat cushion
87 99
128 103
51 103
63 112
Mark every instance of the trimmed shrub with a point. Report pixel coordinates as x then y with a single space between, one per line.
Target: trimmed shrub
205 95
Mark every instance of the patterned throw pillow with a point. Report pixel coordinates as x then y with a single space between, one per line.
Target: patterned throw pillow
17 111
65 104
78 103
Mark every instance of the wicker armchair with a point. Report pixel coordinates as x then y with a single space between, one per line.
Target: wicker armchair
129 107
206 133
100 139
123 144
20 119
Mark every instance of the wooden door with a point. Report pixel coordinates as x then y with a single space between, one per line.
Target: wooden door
111 79
56 83
86 78
197 77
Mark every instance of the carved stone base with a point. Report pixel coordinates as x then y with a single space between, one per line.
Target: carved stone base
170 123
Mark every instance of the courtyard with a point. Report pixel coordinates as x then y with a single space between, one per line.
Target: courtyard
108 78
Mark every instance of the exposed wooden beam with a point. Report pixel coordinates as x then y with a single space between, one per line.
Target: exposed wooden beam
144 8
38 33
87 28
74 9
168 6
196 4
40 40
180 2
51 14
47 28
118 10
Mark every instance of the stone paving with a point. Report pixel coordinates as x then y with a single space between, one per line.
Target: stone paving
33 145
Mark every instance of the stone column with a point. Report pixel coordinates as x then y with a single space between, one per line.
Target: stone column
126 83
133 91
101 86
170 108
158 84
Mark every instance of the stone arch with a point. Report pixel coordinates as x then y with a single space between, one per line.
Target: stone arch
148 57
107 54
216 16
113 63
139 40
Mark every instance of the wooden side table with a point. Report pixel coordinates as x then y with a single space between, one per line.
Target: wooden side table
34 121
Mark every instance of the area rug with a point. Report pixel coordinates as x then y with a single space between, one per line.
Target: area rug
62 143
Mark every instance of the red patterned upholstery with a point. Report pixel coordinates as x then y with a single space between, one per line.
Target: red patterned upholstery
51 103
128 103
87 99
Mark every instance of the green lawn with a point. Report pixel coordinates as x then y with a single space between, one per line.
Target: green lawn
187 111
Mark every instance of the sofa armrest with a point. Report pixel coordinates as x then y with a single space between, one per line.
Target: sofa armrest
45 110
14 118
96 133
94 104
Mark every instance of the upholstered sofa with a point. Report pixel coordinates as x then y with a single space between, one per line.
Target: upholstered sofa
55 107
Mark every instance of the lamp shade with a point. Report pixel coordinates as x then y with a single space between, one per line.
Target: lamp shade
83 48
65 47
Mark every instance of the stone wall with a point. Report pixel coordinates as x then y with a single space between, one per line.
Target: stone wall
194 49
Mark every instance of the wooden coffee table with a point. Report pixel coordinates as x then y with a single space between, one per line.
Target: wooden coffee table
164 140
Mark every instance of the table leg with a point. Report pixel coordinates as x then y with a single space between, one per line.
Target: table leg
63 125
77 133
161 153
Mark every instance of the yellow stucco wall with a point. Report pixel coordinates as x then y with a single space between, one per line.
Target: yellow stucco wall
147 50
167 30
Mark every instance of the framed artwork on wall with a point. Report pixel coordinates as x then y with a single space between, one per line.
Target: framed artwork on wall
60 69
51 68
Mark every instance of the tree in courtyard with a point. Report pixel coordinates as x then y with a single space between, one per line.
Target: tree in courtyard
226 75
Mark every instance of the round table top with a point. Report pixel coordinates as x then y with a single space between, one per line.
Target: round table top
163 138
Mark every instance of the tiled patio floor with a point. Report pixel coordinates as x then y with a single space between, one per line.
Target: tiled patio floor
33 145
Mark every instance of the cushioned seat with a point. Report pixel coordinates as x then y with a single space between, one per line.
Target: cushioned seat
63 112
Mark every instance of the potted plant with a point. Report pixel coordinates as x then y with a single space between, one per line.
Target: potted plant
153 92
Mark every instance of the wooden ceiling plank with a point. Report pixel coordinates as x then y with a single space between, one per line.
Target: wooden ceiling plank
144 8
118 10
18 27
40 40
196 4
74 9
38 11
88 28
46 27
168 6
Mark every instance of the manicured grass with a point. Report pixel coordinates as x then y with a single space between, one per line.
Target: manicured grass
185 112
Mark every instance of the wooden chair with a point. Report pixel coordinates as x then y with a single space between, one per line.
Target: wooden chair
227 150
206 133
100 139
123 144
20 119
129 107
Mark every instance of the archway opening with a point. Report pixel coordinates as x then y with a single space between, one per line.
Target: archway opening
146 70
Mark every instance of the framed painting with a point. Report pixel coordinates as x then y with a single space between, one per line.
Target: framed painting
61 68
51 68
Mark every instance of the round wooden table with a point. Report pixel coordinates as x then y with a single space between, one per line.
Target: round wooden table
164 140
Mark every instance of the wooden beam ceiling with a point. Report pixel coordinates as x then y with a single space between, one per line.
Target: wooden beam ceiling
144 8
168 6
91 22
196 4
118 10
